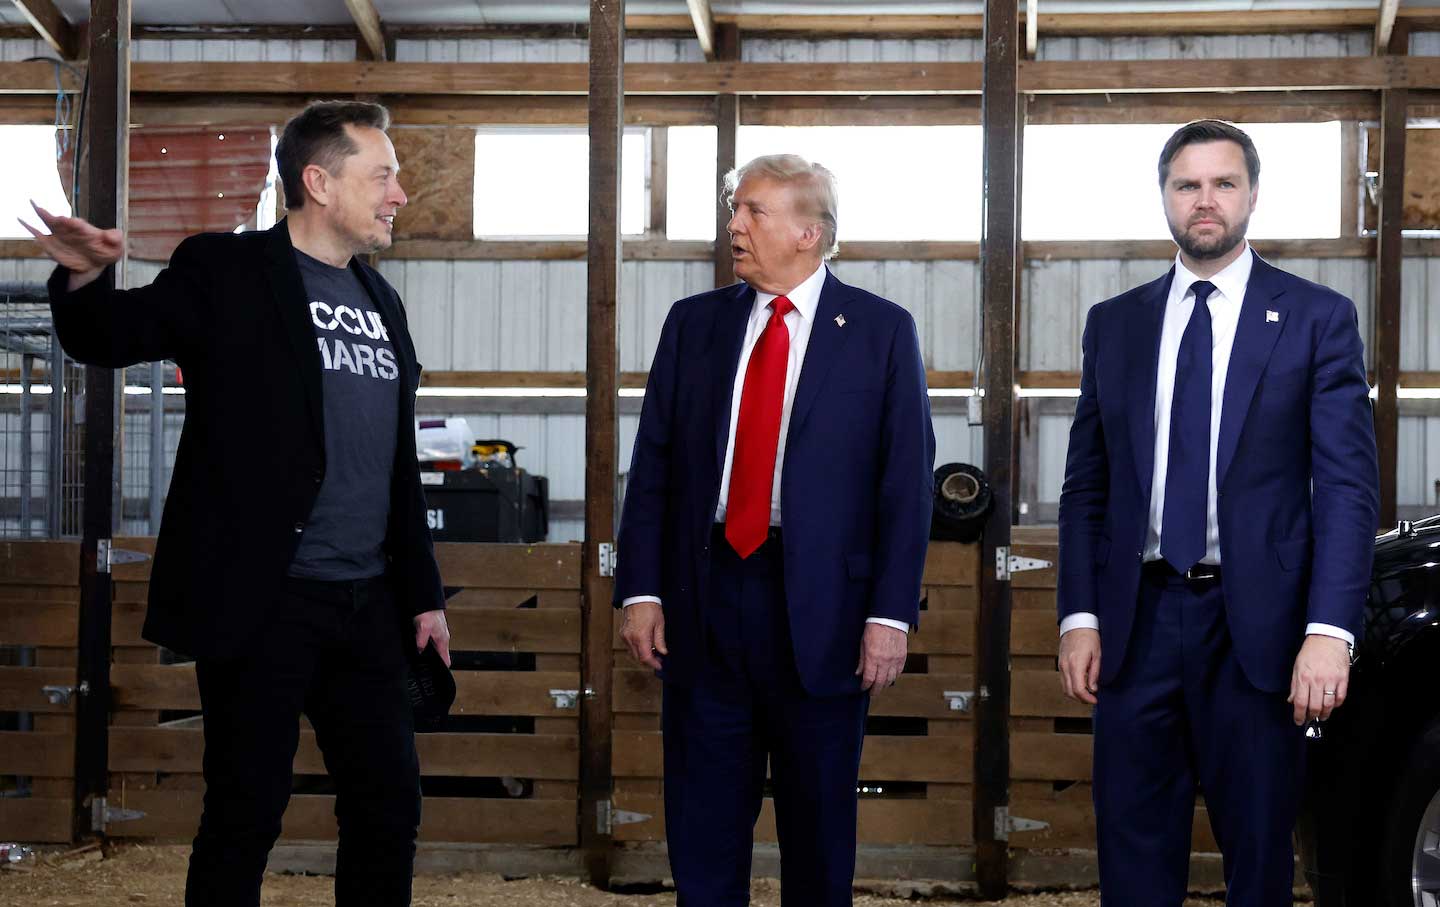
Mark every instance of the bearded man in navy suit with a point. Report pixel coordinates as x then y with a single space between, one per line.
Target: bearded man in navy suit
773 539
1216 527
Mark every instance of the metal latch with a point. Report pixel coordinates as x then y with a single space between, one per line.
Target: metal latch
608 556
1006 823
59 694
959 700
569 699
107 556
102 814
607 817
1007 563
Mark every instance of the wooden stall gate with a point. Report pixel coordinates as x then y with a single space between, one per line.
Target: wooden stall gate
1050 735
915 771
39 613
504 769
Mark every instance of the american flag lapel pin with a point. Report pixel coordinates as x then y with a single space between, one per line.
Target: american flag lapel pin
840 320
1272 316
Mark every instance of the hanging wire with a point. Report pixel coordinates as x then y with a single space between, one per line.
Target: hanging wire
65 111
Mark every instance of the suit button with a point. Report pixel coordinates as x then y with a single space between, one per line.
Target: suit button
299 527
318 476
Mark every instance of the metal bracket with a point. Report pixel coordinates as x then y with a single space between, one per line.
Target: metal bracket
1007 564
102 814
1006 823
565 699
59 694
959 700
607 817
608 556
107 556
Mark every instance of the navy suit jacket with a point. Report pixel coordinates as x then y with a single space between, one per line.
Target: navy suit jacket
1296 473
856 488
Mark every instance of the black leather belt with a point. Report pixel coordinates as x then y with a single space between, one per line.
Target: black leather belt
1200 573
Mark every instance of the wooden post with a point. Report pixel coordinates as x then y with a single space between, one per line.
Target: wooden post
103 204
607 98
1385 355
1000 248
727 130
659 178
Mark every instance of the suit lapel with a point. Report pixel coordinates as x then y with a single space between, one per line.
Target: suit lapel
725 344
1255 337
827 337
1144 328
287 291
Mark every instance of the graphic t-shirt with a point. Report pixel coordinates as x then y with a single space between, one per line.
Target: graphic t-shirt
344 537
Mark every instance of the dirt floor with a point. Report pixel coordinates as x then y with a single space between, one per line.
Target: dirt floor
155 875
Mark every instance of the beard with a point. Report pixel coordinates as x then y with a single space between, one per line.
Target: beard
1206 248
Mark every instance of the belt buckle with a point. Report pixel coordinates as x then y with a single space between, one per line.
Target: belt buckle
1193 575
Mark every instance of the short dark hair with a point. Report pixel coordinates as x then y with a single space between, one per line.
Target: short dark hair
1198 132
316 135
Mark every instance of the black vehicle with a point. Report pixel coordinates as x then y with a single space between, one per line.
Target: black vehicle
1370 831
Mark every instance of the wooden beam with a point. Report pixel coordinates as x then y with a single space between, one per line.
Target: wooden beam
1051 77
602 452
52 25
1388 267
727 137
1000 245
659 176
704 20
1032 28
102 202
371 31
1385 24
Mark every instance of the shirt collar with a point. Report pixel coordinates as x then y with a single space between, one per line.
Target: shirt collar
1231 281
805 297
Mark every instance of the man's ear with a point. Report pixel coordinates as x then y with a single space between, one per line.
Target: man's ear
810 238
316 181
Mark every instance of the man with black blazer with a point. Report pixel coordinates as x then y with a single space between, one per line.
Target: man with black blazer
773 540
1216 528
294 562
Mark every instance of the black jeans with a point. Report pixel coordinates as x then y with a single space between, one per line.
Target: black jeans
334 651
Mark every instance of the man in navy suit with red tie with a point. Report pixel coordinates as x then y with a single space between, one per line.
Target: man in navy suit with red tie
773 540
1216 527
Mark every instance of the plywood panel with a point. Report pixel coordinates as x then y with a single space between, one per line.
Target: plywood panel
438 173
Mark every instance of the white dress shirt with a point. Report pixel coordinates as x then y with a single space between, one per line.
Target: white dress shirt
1224 304
799 321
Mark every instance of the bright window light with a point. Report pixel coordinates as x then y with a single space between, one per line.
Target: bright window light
896 182
535 183
28 156
1101 182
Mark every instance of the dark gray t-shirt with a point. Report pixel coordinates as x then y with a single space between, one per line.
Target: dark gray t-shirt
345 534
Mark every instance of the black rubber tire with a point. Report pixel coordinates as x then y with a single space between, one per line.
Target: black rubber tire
963 500
1417 785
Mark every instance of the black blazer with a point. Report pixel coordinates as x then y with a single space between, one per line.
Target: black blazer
231 311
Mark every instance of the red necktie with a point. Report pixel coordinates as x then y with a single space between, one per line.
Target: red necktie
757 435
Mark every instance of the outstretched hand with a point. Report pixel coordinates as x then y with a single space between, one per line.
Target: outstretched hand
77 244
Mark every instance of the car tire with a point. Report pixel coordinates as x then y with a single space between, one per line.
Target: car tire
1410 849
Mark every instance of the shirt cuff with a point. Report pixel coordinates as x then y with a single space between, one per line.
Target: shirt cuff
1330 630
1080 620
885 621
640 598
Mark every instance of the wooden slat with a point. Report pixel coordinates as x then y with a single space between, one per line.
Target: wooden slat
1072 824
39 623
538 756
914 695
54 29
1035 631
1038 694
951 564
20 689
541 566
514 630
176 815
51 755
39 820
44 563
639 754
1050 757
520 693
881 821
367 20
